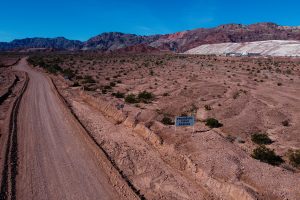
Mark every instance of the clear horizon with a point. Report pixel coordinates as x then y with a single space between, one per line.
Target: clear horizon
82 20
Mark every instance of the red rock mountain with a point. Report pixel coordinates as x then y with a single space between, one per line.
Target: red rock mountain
183 41
177 42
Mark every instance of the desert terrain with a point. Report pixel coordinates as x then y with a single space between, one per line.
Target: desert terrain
38 138
149 100
101 125
128 102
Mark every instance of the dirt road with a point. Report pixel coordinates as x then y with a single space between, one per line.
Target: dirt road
56 159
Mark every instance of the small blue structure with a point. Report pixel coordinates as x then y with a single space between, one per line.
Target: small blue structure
185 121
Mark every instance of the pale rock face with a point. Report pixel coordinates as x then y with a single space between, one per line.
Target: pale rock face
264 48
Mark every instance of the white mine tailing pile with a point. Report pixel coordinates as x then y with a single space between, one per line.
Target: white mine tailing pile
264 48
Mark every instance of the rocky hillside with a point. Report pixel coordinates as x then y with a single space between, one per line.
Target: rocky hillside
184 41
116 40
60 43
178 42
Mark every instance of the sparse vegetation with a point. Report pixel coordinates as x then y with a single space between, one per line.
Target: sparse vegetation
145 97
179 81
68 73
131 98
236 95
104 91
213 123
88 79
54 69
285 123
261 138
112 84
167 121
207 107
76 84
50 65
294 157
266 155
107 87
231 138
118 95
151 73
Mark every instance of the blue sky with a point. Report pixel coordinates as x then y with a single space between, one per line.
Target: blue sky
82 19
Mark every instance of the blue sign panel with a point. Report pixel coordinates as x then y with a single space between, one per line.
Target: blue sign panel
185 121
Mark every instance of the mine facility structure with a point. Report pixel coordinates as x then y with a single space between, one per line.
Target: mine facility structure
236 54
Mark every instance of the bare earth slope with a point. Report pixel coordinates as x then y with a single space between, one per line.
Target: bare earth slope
267 48
56 159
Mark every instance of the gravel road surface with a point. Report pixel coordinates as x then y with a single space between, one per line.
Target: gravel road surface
56 160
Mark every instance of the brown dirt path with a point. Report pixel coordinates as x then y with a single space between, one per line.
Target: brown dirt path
57 160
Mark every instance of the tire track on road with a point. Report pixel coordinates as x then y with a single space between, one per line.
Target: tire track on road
10 170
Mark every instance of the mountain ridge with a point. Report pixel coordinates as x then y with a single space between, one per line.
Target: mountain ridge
177 42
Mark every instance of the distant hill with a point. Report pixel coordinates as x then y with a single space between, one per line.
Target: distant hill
177 42
264 48
116 40
60 43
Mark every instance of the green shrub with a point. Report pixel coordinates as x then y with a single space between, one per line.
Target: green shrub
112 84
118 95
89 79
266 155
68 73
285 123
294 157
35 61
207 107
261 138
145 96
50 65
213 123
167 121
131 98
104 91
54 69
87 88
231 138
76 84
107 87
236 95
151 73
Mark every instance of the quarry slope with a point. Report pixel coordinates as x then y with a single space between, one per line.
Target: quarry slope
265 48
